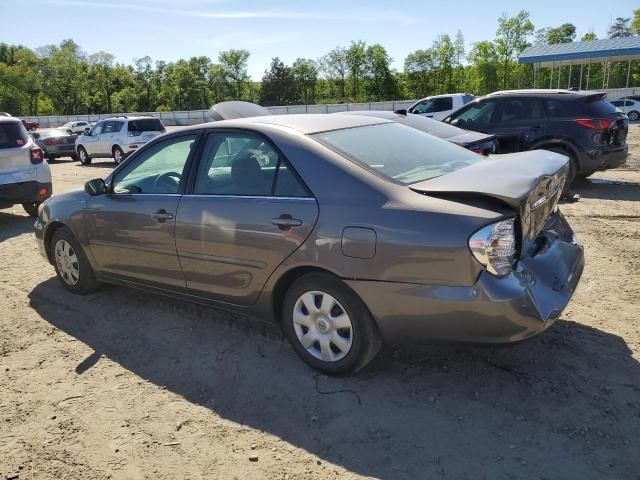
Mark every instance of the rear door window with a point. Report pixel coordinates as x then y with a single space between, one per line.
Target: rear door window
12 135
521 110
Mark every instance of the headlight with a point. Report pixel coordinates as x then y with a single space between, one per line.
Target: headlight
494 246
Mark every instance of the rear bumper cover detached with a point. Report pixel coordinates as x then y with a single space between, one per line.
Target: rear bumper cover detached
24 192
603 159
493 310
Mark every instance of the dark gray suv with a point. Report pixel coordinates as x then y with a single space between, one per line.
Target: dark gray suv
348 230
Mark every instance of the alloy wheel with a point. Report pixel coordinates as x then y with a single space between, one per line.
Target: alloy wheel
323 326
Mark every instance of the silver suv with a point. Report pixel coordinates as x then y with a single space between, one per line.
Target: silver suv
117 137
25 177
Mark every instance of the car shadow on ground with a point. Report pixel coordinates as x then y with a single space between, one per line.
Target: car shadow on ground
564 404
99 163
607 189
14 224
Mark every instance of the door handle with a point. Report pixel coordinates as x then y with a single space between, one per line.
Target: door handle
162 215
285 222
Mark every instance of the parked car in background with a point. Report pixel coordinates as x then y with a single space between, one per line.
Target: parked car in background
476 142
25 177
56 143
31 125
339 227
5 114
629 106
77 127
439 106
581 125
117 137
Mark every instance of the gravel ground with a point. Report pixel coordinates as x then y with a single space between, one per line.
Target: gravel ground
127 385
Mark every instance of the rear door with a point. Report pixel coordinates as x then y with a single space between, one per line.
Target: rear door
247 212
520 123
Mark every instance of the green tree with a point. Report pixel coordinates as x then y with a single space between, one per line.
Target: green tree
635 22
484 67
381 84
278 85
565 33
589 36
336 68
418 68
511 40
356 57
619 28
234 63
305 76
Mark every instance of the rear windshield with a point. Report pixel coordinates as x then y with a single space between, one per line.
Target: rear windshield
52 133
601 108
12 135
398 152
146 125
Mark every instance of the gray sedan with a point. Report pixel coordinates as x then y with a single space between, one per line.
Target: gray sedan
348 230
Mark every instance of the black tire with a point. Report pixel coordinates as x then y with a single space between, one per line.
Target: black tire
118 155
31 208
633 115
74 158
51 159
366 339
86 282
69 132
84 157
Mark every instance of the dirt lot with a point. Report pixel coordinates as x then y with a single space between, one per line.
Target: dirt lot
127 385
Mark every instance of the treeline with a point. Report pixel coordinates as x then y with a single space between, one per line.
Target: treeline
62 79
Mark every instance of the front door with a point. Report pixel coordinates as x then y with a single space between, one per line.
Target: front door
131 228
247 213
90 142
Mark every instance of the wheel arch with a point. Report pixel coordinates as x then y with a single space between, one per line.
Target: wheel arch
48 235
287 279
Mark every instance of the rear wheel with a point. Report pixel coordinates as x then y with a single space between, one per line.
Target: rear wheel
71 264
31 208
118 155
328 325
84 157
633 116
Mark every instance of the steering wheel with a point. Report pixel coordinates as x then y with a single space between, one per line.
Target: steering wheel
168 182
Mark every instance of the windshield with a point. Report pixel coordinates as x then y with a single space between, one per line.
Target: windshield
398 152
68 124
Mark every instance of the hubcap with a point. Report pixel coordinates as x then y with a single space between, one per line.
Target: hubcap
322 326
117 155
83 155
67 262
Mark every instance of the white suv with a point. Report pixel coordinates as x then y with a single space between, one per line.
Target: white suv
117 137
25 177
440 106
75 127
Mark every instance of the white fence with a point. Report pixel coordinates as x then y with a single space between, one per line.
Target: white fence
194 117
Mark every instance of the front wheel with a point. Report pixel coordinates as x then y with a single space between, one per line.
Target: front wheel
328 325
71 263
118 155
31 208
84 157
633 116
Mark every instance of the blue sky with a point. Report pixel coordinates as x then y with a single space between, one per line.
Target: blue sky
172 29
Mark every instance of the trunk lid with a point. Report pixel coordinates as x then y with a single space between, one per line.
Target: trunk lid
528 182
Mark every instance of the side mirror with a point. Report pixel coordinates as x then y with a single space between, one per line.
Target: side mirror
95 187
402 111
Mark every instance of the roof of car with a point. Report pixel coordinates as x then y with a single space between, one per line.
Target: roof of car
304 122
546 92
126 117
10 119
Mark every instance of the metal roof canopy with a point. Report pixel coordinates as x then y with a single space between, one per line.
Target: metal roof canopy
576 53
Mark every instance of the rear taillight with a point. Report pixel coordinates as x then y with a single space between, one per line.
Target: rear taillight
494 246
36 155
596 123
